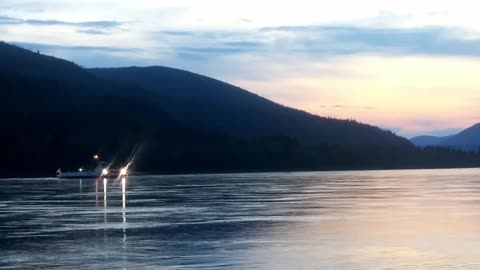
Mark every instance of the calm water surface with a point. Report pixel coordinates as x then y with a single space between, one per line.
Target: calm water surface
413 219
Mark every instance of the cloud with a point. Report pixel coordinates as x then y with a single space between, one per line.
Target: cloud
95 24
212 50
337 106
244 44
177 33
9 20
221 48
319 42
200 35
340 40
93 32
50 47
89 56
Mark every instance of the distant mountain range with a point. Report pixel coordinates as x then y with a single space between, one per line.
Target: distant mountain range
427 140
468 139
54 113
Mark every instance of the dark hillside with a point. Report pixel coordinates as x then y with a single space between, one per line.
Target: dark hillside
468 139
54 113
204 103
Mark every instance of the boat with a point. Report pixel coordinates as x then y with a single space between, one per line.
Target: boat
101 170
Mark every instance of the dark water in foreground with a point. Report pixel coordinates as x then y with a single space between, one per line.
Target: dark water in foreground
424 219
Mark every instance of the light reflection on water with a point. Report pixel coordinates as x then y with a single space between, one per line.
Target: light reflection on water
424 219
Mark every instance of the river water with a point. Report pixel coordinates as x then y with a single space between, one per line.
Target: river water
405 219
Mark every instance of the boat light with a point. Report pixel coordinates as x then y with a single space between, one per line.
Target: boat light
123 171
104 171
80 170
96 157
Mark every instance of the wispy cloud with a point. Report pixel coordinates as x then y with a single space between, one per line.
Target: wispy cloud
176 33
199 35
325 41
213 50
339 40
337 106
95 24
89 56
244 44
94 32
228 47
51 47
9 20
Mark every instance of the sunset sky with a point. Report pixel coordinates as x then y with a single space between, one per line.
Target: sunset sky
409 66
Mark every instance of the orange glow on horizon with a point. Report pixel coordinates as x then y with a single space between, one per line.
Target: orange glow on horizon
414 94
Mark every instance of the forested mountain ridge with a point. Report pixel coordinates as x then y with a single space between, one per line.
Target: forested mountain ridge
204 103
467 139
54 113
426 140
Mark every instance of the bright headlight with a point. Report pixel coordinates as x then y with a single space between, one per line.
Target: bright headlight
104 172
123 171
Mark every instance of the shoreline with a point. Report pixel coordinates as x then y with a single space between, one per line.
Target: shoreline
33 175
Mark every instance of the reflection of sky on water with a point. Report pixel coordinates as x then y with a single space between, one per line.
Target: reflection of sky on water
330 220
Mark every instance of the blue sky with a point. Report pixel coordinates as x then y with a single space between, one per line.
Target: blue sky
409 66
